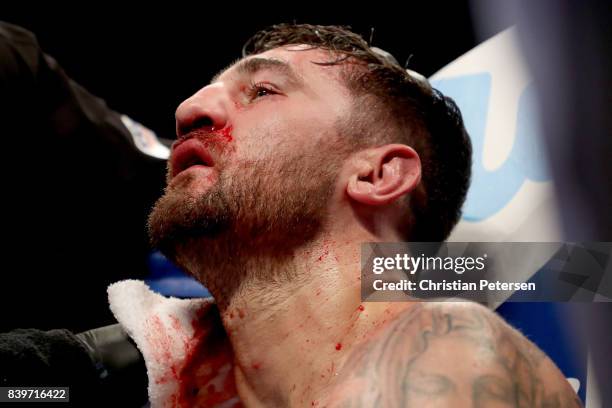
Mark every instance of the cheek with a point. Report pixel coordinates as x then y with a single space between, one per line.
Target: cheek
272 128
287 136
259 139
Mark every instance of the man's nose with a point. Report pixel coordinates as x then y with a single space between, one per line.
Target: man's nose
204 109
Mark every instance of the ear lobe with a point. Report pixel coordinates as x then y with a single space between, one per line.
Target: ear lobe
397 172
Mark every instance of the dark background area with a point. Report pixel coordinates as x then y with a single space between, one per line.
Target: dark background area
144 63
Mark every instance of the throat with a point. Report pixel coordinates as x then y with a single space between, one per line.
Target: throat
292 355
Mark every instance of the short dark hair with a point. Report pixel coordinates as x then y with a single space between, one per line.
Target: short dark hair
421 116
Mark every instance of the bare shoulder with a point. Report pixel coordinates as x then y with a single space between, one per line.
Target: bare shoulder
446 354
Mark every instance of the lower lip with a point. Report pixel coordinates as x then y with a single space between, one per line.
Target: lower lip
200 168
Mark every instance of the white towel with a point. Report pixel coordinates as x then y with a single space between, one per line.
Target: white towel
189 362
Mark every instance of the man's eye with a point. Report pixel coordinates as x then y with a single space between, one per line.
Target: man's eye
260 90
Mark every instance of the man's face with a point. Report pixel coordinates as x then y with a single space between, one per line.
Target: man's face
258 153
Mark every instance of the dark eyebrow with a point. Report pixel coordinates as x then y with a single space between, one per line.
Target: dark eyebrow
251 66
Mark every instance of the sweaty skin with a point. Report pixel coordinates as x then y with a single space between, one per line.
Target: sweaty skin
293 319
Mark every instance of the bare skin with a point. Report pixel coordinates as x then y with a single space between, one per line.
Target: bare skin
304 338
443 355
387 355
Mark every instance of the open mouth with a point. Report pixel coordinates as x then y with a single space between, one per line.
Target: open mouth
188 154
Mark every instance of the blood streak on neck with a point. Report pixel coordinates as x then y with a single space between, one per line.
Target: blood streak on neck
205 376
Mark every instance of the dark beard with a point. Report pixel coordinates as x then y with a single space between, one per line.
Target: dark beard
266 207
178 217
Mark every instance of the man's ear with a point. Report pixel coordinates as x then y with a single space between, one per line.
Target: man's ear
389 172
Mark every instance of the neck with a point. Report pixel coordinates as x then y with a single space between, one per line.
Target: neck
291 334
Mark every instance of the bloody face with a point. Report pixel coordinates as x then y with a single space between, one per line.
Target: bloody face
257 155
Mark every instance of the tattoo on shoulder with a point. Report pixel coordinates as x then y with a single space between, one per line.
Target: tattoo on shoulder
448 355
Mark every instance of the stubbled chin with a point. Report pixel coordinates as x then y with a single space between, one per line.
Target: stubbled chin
189 208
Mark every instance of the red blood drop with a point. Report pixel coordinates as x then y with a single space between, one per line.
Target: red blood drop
226 133
338 346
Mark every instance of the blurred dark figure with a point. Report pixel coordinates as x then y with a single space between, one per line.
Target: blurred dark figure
568 45
75 194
